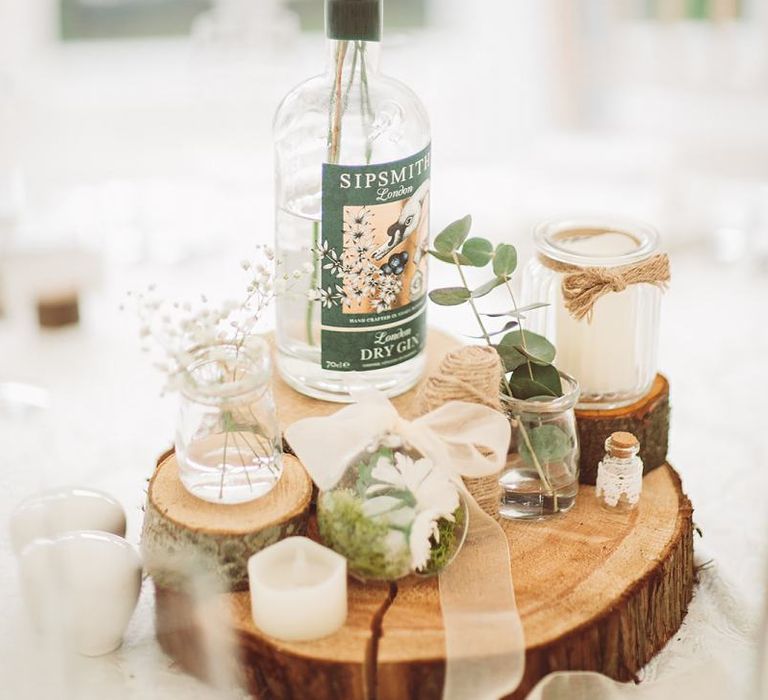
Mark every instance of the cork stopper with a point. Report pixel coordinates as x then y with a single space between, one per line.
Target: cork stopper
622 445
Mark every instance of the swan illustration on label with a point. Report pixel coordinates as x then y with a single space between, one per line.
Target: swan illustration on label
375 237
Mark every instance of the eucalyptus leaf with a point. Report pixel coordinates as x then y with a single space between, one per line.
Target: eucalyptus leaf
532 358
550 443
504 259
536 346
517 313
507 326
510 358
453 235
450 296
488 287
448 257
530 380
478 251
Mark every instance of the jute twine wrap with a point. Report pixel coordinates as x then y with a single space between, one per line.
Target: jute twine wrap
472 374
583 286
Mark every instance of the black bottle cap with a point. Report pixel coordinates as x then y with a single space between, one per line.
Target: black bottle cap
353 19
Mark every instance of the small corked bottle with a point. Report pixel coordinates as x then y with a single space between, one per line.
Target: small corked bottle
620 473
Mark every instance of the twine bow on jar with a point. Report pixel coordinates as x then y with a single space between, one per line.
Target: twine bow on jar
583 286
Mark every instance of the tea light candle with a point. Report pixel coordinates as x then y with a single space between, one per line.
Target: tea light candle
298 590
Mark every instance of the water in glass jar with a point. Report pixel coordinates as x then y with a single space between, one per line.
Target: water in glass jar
233 467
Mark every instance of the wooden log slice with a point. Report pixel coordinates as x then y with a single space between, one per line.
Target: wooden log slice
596 590
185 538
647 419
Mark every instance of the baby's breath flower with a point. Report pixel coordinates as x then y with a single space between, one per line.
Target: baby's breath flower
178 328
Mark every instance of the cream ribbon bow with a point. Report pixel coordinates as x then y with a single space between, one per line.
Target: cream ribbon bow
460 438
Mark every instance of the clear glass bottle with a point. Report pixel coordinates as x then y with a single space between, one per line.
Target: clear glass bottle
613 352
352 155
228 442
541 477
620 473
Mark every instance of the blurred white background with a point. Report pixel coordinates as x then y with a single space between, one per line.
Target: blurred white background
135 147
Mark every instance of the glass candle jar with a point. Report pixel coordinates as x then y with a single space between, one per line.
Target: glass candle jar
228 442
541 477
612 349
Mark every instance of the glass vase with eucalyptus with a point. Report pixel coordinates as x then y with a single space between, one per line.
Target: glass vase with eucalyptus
228 442
541 475
352 207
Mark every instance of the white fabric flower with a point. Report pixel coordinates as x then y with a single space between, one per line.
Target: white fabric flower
395 542
431 488
392 510
424 528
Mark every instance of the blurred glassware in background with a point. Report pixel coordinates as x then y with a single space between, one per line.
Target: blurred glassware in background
265 25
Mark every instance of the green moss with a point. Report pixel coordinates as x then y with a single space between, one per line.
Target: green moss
443 552
345 528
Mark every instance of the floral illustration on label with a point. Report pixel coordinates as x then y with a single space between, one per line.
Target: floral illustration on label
373 259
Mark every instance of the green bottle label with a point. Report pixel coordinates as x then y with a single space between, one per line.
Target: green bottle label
375 238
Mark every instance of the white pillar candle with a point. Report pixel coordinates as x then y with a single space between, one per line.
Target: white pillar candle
298 590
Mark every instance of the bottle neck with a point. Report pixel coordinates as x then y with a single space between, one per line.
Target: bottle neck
353 59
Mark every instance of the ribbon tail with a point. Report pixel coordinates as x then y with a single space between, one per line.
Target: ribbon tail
485 647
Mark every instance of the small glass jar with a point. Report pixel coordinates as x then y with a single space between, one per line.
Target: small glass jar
541 477
620 473
612 351
228 442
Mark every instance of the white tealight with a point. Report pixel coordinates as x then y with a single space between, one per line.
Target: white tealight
63 510
81 589
298 590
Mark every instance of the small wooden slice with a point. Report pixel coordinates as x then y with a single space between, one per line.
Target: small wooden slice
185 538
647 419
596 590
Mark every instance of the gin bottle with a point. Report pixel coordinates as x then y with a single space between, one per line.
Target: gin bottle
352 155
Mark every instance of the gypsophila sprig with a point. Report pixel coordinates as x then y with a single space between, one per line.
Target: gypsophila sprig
179 328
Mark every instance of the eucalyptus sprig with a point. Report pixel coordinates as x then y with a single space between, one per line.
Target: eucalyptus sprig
527 357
